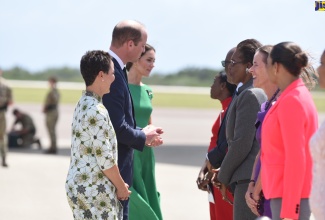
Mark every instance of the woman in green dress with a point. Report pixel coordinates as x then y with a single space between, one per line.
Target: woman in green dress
144 199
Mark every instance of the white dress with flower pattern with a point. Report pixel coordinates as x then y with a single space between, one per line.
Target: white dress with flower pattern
90 193
317 147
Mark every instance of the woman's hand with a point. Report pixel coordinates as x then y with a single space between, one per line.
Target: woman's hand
250 201
214 179
202 181
123 192
223 191
256 195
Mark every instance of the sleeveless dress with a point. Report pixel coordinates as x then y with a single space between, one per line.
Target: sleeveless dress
144 199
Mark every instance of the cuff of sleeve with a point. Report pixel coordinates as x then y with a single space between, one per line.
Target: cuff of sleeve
206 156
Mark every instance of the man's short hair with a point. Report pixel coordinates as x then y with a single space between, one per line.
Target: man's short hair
92 63
125 33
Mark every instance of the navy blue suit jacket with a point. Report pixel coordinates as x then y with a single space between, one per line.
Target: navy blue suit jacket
120 108
217 154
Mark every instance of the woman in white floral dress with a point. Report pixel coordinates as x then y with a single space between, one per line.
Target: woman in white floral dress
94 184
317 147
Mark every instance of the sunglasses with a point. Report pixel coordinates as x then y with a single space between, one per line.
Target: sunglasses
225 62
233 63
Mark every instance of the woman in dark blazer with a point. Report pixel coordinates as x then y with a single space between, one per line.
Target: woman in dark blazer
236 168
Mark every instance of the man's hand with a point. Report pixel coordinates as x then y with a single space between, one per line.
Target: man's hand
159 130
153 133
156 142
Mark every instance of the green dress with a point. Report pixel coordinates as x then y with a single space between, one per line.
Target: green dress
144 199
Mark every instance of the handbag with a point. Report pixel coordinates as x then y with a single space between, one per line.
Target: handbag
260 204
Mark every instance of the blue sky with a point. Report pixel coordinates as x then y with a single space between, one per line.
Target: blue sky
40 34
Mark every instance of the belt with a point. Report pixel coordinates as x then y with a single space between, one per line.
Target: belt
243 181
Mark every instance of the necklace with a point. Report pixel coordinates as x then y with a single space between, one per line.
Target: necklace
272 99
92 94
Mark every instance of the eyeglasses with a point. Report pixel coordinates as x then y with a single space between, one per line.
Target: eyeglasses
233 63
225 62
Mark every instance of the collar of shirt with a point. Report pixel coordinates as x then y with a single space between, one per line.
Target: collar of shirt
238 86
116 58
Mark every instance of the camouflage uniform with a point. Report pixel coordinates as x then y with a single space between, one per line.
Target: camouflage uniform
28 129
5 99
52 115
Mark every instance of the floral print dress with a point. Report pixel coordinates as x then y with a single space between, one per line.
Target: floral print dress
91 195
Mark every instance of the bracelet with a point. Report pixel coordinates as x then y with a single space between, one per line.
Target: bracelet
252 181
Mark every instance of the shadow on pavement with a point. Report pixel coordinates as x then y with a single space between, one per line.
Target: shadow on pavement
168 154
181 155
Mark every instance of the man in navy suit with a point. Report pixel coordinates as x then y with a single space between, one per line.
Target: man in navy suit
128 42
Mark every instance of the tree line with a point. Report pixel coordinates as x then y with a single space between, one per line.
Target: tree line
190 76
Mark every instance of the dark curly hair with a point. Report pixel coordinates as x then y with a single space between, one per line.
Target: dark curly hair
92 63
247 49
223 79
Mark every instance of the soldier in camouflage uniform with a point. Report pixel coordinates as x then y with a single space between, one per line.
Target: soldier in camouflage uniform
5 100
27 131
51 113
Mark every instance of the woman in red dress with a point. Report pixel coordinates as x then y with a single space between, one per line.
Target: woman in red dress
221 90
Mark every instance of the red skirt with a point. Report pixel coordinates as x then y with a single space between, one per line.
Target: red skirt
221 210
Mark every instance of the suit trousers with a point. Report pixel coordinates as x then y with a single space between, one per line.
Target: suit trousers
125 205
241 210
304 209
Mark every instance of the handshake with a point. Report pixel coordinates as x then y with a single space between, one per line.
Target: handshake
153 138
